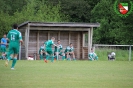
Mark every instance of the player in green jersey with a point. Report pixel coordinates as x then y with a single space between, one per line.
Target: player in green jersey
48 49
69 51
15 38
58 51
92 55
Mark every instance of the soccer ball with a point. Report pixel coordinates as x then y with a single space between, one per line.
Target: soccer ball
30 58
113 54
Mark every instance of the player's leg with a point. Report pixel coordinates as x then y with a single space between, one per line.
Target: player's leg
67 55
95 56
44 55
3 50
90 56
16 51
14 61
63 55
73 55
41 55
56 55
9 55
51 55
47 55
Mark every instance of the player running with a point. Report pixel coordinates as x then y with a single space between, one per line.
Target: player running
48 49
3 46
58 51
15 38
70 51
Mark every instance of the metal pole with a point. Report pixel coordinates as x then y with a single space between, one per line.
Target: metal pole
57 53
130 53
20 51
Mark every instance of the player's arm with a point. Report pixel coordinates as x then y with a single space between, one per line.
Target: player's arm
21 41
20 38
2 41
55 45
72 49
65 50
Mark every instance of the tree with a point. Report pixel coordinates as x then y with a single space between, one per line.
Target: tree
34 10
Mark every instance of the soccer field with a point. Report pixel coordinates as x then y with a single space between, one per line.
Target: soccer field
67 74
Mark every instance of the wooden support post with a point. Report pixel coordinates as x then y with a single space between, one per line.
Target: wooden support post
91 35
59 35
26 43
78 45
37 43
83 40
28 33
89 41
69 37
48 35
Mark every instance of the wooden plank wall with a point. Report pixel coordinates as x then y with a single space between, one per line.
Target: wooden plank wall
32 43
43 36
73 39
55 35
86 52
64 36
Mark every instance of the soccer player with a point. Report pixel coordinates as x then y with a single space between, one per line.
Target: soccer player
58 51
92 55
70 51
3 46
15 38
48 49
41 52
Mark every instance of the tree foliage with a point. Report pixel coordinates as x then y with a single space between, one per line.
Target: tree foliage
113 28
34 10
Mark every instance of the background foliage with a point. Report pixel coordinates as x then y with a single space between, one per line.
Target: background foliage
113 28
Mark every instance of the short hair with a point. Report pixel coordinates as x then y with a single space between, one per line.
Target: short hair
58 40
5 34
71 43
15 26
53 38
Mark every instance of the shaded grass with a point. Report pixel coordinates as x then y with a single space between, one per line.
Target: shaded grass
67 74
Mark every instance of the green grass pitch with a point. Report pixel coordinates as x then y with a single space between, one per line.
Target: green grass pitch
67 74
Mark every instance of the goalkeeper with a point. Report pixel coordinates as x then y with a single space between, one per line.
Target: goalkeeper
58 51
69 51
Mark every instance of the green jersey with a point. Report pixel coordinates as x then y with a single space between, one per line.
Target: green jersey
58 49
14 36
69 49
48 44
41 50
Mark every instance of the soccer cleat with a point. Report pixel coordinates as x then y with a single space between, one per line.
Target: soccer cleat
45 61
6 63
12 68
